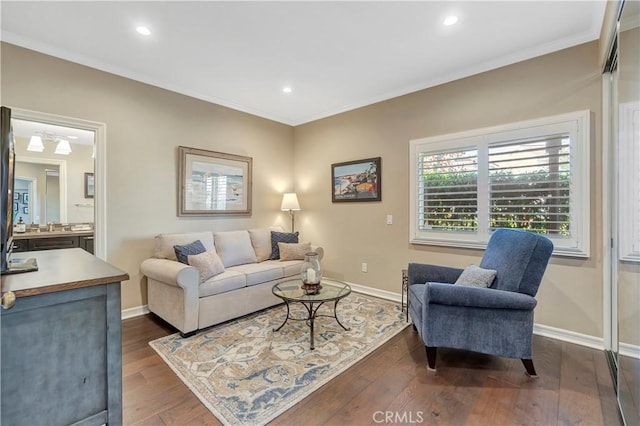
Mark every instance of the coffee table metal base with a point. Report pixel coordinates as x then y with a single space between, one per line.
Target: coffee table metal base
312 310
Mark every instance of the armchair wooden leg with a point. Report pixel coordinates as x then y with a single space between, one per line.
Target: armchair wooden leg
528 365
431 357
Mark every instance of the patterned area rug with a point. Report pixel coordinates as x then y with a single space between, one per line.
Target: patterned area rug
247 374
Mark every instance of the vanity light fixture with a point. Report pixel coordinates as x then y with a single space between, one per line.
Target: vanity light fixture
450 20
143 30
35 144
63 147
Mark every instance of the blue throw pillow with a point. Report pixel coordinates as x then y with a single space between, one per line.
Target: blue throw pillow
183 252
281 237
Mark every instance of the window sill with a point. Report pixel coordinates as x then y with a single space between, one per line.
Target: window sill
558 251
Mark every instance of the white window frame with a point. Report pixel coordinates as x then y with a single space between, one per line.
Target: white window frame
577 124
629 182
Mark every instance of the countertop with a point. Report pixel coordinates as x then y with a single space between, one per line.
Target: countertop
54 234
59 270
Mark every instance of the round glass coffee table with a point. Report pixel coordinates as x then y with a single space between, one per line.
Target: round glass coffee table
331 291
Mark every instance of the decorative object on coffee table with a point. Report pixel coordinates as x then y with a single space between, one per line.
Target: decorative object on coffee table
311 273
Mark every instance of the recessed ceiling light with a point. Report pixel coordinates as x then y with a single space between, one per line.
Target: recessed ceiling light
450 20
143 30
287 89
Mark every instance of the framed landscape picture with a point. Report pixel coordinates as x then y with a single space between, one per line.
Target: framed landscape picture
213 183
357 180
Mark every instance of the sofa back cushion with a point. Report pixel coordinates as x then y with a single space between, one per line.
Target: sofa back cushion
164 243
261 241
234 247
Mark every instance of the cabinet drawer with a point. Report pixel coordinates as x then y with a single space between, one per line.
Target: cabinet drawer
86 243
53 243
20 245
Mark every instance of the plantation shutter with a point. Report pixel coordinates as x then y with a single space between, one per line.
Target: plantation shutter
448 190
529 185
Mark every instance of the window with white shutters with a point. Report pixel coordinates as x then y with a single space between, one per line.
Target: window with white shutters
448 193
530 175
529 185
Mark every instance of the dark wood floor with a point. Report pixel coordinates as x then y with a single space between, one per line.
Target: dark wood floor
393 386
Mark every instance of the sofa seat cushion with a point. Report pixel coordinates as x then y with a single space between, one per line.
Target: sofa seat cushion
226 281
234 247
258 273
290 268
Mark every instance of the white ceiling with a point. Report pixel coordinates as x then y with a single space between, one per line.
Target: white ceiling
336 56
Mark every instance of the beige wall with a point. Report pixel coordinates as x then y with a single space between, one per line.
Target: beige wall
569 80
145 125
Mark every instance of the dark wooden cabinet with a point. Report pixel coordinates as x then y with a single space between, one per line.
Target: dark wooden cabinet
86 243
47 242
36 244
20 245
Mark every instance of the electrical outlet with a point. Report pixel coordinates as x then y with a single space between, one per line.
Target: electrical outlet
364 267
389 219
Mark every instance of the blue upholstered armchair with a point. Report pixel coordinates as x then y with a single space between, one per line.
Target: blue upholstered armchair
497 320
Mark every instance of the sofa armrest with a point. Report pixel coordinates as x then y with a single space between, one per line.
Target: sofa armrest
421 273
318 250
171 272
477 297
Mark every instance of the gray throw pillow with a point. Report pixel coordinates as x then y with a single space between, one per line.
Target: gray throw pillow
183 252
281 237
476 276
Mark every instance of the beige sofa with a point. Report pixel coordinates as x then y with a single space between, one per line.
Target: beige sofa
176 294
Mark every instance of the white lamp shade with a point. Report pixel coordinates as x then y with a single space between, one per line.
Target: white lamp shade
63 147
35 144
290 202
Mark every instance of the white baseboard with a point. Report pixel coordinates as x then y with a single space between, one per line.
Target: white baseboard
382 294
134 312
632 351
625 349
569 336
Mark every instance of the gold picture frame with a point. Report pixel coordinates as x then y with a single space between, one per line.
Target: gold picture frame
213 183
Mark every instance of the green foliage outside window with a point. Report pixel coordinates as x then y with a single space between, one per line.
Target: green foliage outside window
537 202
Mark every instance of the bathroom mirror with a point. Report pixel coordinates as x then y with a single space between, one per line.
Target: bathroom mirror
50 176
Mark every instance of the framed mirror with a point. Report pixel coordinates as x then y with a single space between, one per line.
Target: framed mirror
213 183
88 185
